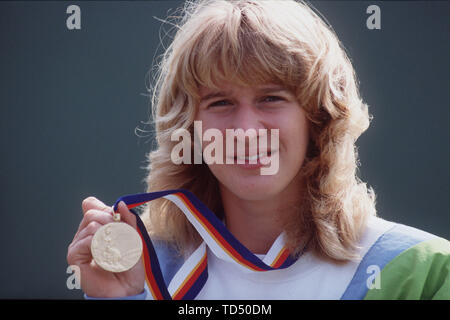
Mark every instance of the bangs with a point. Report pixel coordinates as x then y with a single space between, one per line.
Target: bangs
236 48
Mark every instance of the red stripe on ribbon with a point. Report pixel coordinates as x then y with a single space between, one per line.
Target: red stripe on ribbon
218 236
281 259
134 205
188 284
148 272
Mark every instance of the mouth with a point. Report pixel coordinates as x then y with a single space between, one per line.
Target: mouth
253 160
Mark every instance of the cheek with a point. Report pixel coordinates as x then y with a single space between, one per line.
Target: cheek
211 120
295 135
208 126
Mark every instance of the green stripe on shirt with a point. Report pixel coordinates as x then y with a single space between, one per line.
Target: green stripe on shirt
420 272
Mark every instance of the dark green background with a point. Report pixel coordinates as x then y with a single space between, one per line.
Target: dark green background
71 100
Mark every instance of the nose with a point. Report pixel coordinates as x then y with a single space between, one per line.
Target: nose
249 120
247 117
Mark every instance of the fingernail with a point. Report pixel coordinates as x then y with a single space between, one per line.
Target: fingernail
123 204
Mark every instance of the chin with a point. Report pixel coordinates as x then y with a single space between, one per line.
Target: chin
255 188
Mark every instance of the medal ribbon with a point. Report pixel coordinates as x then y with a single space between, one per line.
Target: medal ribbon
192 276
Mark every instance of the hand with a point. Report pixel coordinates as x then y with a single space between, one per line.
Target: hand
95 281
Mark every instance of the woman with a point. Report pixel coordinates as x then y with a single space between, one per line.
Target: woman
267 65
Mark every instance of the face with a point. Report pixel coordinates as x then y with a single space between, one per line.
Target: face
263 107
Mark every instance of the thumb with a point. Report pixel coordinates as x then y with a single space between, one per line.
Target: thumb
126 215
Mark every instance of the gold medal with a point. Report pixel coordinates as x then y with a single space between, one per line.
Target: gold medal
116 246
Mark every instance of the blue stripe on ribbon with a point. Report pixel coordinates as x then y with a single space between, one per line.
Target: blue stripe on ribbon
224 232
211 218
197 285
154 263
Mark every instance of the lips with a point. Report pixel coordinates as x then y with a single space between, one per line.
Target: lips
254 158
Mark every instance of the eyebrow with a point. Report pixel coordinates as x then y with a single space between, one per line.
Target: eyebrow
271 89
213 95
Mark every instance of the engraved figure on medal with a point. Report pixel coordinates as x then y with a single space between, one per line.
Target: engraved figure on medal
116 246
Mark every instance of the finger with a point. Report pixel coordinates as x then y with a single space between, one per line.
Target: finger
93 203
101 217
89 230
80 252
126 215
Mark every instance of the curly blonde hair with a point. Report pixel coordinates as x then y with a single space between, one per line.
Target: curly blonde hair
256 42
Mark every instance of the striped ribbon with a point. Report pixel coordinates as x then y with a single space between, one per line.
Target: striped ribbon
192 275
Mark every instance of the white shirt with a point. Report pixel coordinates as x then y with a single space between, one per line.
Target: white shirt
308 278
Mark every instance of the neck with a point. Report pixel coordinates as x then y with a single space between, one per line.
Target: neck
257 223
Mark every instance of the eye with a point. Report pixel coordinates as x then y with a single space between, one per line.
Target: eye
272 99
220 103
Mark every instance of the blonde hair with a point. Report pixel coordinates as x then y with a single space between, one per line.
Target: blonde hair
256 42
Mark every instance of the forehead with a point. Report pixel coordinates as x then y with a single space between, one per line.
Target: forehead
227 87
